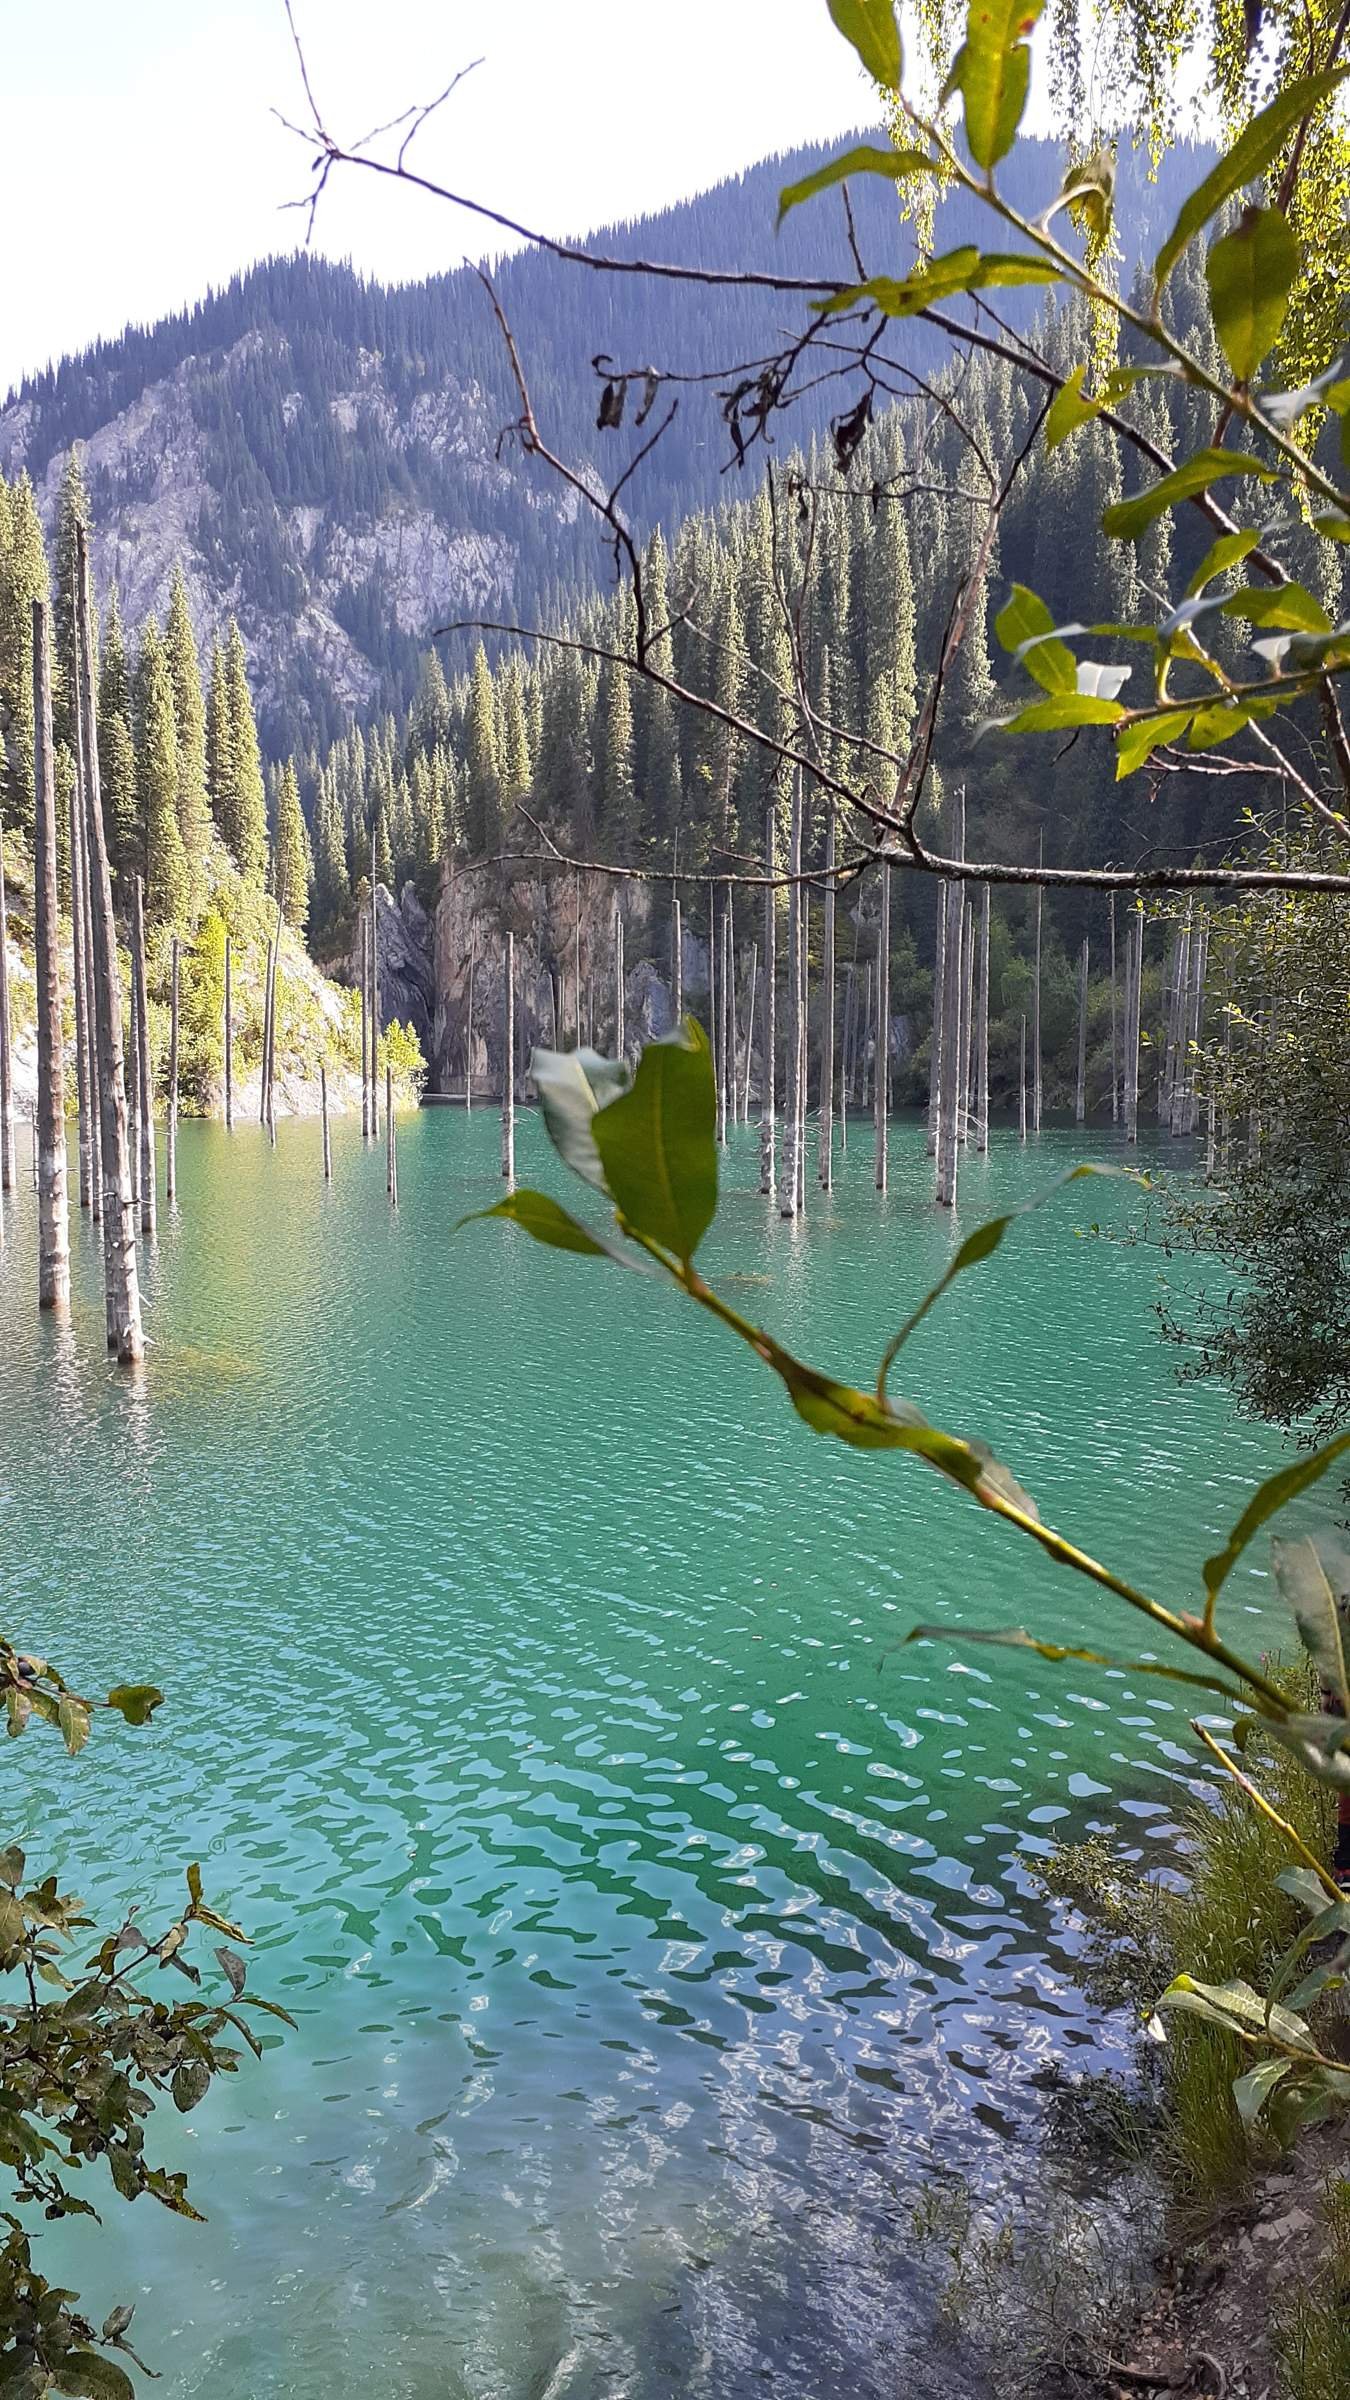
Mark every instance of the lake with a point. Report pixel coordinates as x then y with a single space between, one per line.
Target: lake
657 1927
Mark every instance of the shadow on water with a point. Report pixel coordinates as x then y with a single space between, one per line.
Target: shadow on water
658 1926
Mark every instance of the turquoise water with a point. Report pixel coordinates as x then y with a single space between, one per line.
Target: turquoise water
656 1927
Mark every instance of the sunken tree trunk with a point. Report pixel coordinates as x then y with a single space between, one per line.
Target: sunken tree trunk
509 1044
80 977
792 1061
1080 1080
229 1042
1022 1086
826 1140
620 1029
323 1116
121 1284
881 1094
390 1138
171 1135
49 1128
7 1175
982 1036
1037 1073
144 1095
676 963
768 1130
953 989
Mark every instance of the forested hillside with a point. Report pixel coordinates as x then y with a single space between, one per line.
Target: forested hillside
319 452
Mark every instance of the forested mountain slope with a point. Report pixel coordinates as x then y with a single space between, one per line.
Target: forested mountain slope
320 451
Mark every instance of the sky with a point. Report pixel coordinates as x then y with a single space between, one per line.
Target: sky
143 153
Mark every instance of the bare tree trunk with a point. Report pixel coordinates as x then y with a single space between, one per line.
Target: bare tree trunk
576 961
982 1043
620 1030
881 1096
733 1039
846 1058
374 995
365 1027
390 1137
749 1032
122 1287
1022 1085
1037 1062
866 1037
963 1031
7 1168
49 1124
509 1041
787 1190
935 1038
1115 1029
171 1136
768 1127
229 1042
132 1071
323 1117
676 962
803 1021
80 976
468 1021
145 1097
1080 1083
1134 983
825 1140
953 990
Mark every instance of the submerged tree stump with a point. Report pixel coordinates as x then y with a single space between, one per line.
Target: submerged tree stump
49 1123
144 1092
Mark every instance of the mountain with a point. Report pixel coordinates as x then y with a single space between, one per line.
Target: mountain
324 455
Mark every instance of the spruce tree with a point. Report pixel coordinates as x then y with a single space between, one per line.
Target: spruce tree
72 509
241 809
165 866
180 650
290 851
655 747
485 792
332 890
116 753
23 579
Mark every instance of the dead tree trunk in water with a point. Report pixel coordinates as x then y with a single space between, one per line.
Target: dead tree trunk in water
1115 1028
229 1043
963 1031
747 1054
1022 1086
468 1018
846 1053
881 1094
390 1137
953 1000
509 1045
1037 1068
803 1023
1134 983
323 1118
49 1124
1080 1081
365 1027
676 963
982 1041
266 1038
7 1172
79 975
374 995
132 1070
122 1286
620 1029
935 1038
825 1141
171 1136
145 1099
768 1130
867 1036
792 1060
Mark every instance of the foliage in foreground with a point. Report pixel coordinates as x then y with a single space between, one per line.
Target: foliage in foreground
645 1140
86 2050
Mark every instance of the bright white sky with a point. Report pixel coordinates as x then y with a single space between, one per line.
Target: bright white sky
142 163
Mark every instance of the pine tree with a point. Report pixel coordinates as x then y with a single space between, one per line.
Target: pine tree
219 745
290 852
513 742
485 791
72 509
116 753
384 858
332 890
23 579
167 879
180 650
656 771
241 807
614 756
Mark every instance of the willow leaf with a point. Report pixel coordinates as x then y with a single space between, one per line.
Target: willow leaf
1250 155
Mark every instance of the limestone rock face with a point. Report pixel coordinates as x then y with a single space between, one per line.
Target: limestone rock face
403 962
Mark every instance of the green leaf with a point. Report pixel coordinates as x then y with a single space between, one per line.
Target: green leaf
1229 550
1314 1579
1089 192
1068 410
1320 1743
1265 1502
72 1716
1015 1638
194 1884
1025 626
870 25
1286 605
92 2377
1250 155
658 1146
1128 519
992 71
234 1969
1063 708
1238 2009
544 1221
1250 273
1310 1892
864 159
962 270
12 1864
191 2083
1252 2090
137 1702
572 1085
